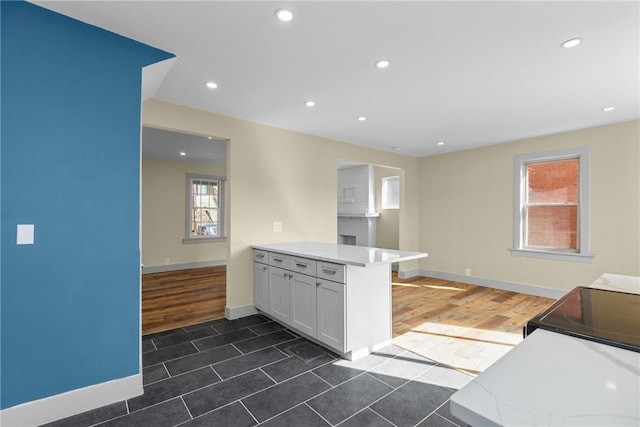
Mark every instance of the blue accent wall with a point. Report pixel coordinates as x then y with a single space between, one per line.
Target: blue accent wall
69 153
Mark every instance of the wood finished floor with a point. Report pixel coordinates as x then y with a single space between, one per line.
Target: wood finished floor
181 298
464 326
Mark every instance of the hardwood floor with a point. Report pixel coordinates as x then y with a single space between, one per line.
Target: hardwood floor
180 298
463 326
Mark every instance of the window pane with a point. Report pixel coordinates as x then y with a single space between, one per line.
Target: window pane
391 192
553 182
204 208
552 227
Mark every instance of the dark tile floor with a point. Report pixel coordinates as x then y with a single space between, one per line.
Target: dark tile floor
243 373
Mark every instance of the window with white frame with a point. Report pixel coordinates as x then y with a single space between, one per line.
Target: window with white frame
205 207
551 205
390 192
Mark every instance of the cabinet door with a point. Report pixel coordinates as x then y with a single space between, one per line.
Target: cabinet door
303 303
331 314
279 293
261 286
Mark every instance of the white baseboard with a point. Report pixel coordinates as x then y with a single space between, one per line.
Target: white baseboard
232 313
496 284
183 266
409 274
71 403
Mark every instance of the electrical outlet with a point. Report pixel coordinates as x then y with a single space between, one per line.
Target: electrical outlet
277 227
467 272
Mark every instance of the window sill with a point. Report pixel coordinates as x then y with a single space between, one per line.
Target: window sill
558 256
204 240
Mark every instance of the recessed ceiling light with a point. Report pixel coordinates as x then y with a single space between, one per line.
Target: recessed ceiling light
209 137
608 108
309 103
571 43
211 85
182 153
362 118
441 143
284 15
383 63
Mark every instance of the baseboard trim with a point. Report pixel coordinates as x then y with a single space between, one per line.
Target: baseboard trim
409 273
183 266
233 313
496 284
70 403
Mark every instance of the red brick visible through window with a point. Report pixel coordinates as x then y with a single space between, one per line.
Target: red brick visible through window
553 226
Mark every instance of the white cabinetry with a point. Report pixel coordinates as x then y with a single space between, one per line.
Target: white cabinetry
331 311
303 303
279 293
261 280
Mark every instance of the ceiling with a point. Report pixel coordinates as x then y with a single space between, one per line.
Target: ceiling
464 73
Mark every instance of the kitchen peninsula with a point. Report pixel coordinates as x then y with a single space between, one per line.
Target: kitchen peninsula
338 296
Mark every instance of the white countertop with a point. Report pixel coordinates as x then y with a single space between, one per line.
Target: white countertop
342 254
551 379
555 380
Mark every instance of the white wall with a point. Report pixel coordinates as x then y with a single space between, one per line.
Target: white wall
280 175
466 209
163 215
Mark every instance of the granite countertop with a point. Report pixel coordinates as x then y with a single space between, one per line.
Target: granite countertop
552 379
342 254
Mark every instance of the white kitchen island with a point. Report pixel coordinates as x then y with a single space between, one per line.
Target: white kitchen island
338 296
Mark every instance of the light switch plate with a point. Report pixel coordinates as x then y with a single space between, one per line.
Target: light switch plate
277 227
25 234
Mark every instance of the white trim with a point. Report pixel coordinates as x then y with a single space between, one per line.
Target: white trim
73 402
183 266
409 273
496 284
233 313
519 192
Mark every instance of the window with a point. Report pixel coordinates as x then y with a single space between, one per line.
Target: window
551 205
391 192
205 208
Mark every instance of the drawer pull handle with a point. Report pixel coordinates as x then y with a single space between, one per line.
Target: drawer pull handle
278 259
328 271
301 265
259 256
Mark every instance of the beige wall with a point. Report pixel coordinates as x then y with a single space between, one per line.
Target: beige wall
163 214
279 175
387 225
466 209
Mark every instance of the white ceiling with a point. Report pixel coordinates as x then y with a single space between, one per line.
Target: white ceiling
466 73
165 144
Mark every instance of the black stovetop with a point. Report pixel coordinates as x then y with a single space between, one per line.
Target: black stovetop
607 317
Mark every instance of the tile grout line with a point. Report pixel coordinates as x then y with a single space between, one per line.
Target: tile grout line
250 413
319 414
383 417
187 408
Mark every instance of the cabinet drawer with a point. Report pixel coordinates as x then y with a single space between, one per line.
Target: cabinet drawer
261 256
279 260
331 271
303 265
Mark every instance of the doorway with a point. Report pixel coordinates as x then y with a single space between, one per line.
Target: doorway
183 233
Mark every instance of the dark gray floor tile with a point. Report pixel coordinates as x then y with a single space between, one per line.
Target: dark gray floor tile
217 395
402 368
223 339
389 351
411 403
366 418
272 401
292 366
92 417
301 415
173 387
342 370
231 415
184 336
154 373
198 360
169 413
242 364
167 353
148 346
205 324
161 334
265 328
436 421
445 411
232 325
262 341
445 377
349 398
288 344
